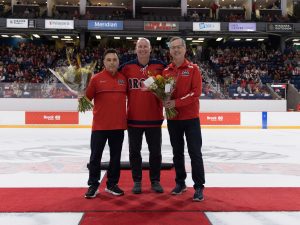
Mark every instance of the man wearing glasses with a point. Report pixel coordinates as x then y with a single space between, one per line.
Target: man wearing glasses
185 99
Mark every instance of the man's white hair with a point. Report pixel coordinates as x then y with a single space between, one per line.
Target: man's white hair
143 39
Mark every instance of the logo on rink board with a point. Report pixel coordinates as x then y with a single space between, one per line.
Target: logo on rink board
221 118
51 118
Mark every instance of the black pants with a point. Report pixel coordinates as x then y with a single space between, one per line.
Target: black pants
98 140
153 138
192 131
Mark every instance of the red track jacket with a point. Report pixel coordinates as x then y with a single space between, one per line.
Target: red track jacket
144 109
188 89
109 94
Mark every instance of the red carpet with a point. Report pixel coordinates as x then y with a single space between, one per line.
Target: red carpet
216 199
145 218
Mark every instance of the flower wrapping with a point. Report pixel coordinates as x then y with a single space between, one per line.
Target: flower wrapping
163 89
76 78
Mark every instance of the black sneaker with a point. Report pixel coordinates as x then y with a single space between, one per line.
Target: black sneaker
92 192
198 196
137 188
179 189
114 190
155 186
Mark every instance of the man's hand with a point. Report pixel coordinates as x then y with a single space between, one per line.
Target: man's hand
144 89
169 104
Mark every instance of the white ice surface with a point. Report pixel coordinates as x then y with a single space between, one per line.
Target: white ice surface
232 158
40 218
254 218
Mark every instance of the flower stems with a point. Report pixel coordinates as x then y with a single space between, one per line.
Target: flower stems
84 104
170 113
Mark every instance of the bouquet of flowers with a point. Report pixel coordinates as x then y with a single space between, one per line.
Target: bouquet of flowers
76 78
162 88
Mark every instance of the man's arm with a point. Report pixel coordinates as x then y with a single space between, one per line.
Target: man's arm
194 94
90 91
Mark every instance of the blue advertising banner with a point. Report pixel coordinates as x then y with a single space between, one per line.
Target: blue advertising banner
105 25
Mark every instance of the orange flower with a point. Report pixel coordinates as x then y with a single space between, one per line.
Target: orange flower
159 77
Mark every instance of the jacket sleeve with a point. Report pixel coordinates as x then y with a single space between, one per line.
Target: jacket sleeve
195 92
90 91
124 70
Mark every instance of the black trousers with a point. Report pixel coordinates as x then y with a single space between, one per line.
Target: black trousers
115 142
192 131
154 138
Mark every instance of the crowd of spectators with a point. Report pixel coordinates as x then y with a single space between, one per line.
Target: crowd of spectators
25 67
246 70
230 71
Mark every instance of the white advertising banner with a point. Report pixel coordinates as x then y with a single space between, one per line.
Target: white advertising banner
202 26
17 23
59 24
242 26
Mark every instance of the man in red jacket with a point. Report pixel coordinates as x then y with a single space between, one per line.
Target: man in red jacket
108 89
145 115
185 99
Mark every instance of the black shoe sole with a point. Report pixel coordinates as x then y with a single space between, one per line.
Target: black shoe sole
198 200
113 193
179 193
156 191
93 196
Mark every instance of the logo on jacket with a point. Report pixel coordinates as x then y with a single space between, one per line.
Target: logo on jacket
135 83
121 82
185 73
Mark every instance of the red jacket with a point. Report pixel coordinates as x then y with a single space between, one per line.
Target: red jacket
109 94
188 89
144 109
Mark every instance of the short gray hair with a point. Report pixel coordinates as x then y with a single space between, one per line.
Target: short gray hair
176 38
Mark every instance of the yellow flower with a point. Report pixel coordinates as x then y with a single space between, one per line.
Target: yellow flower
158 87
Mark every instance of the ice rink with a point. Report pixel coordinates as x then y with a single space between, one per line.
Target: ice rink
52 157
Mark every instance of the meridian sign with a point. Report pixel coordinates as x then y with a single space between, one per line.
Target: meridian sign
105 25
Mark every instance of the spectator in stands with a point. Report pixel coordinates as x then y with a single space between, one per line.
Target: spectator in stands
274 6
214 6
277 4
87 15
199 53
195 16
109 122
26 13
241 90
145 115
76 15
253 14
185 99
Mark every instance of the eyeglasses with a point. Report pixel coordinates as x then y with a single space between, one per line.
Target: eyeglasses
176 47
